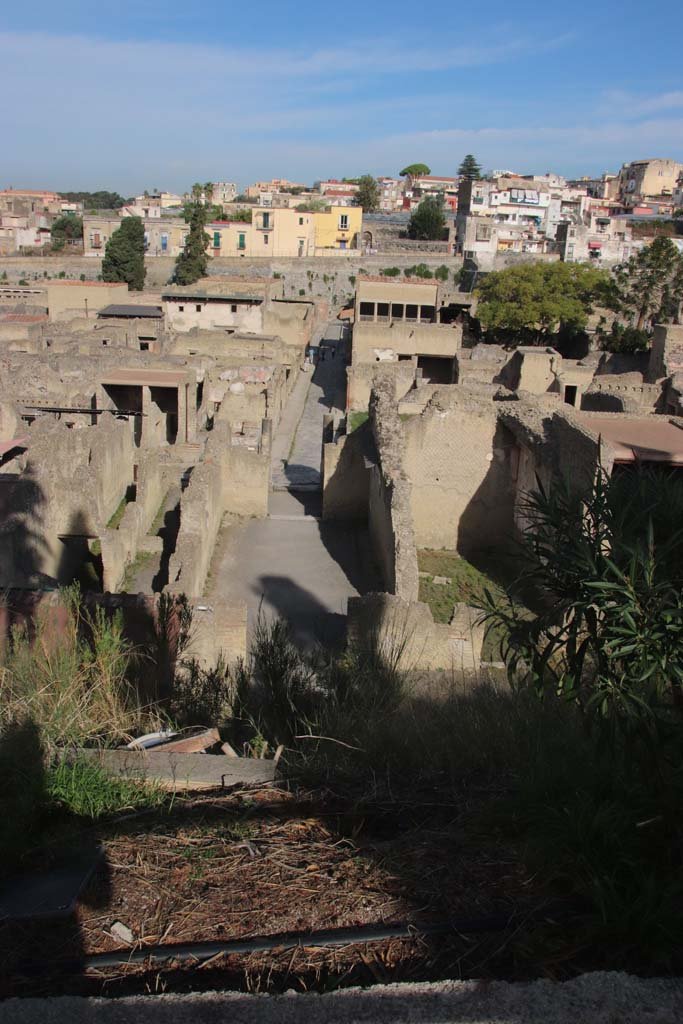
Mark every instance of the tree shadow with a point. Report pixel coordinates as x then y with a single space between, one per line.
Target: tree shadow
311 623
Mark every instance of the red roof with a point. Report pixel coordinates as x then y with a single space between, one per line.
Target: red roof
433 177
28 192
85 284
22 318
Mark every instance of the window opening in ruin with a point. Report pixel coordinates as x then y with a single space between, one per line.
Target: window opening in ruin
437 369
144 346
198 308
181 309
570 394
411 312
397 311
233 309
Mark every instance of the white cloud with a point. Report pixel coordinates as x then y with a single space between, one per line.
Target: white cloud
630 105
128 114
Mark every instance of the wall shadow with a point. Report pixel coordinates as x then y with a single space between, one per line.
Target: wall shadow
24 551
50 861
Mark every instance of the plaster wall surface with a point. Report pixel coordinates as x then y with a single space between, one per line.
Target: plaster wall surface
458 464
374 342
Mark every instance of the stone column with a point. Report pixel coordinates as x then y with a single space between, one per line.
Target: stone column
191 412
146 432
181 402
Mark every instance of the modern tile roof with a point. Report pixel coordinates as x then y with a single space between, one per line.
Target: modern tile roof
131 310
642 438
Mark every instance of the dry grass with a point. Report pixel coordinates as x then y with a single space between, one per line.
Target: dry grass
71 683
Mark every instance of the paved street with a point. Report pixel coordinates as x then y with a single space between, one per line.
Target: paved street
292 564
296 455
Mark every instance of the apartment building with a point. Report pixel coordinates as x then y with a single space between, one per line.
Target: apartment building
274 185
164 236
505 214
281 232
27 201
224 192
417 187
339 227
677 194
334 185
390 194
160 200
642 181
596 238
274 233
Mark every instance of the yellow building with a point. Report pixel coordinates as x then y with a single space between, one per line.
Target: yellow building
273 233
338 227
164 236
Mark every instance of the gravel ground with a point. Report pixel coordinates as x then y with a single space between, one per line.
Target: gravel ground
602 997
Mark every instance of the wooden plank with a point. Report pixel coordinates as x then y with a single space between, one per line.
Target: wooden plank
176 771
191 744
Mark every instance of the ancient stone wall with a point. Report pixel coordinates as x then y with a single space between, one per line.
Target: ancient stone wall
374 342
346 476
459 468
405 633
666 358
71 484
389 506
618 394
362 377
120 545
230 479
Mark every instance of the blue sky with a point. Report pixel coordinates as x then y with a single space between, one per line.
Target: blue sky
139 95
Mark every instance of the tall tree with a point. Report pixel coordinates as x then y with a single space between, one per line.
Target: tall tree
469 168
649 288
96 200
428 221
529 302
414 170
193 260
68 228
208 193
367 195
124 256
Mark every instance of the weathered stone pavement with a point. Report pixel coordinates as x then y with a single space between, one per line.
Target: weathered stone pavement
297 449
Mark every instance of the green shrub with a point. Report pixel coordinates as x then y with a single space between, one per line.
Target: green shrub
419 270
391 272
80 787
441 273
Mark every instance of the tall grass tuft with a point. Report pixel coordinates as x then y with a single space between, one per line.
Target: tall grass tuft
68 675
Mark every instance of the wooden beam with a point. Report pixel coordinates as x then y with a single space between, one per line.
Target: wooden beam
176 771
